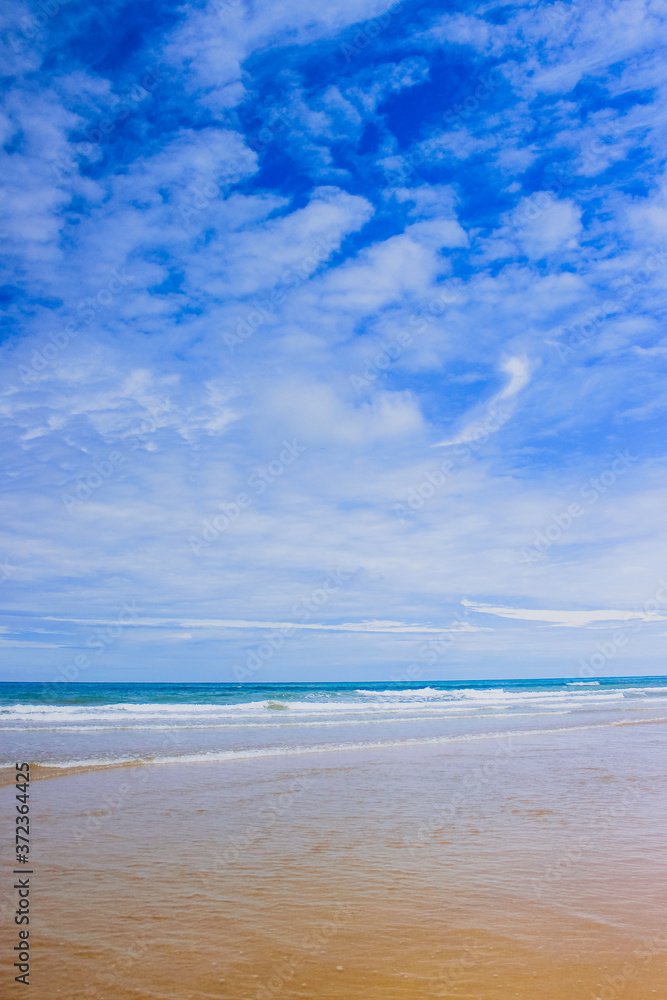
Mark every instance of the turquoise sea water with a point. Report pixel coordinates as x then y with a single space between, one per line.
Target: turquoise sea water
61 725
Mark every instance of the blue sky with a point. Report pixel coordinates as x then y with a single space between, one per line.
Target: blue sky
333 340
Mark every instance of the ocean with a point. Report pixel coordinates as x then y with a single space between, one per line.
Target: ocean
344 841
73 724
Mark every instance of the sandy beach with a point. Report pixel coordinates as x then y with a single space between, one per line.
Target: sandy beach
522 867
333 432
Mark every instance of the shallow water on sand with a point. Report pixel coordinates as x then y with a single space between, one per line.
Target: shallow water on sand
528 866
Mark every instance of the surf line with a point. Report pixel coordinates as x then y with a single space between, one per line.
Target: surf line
374 745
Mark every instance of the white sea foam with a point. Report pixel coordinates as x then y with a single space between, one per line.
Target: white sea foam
426 692
362 706
318 723
299 750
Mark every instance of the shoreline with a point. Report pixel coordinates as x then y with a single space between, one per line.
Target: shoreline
42 771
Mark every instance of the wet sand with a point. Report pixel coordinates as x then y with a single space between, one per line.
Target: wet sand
524 869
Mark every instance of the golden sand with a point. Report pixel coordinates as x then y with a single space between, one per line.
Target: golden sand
352 879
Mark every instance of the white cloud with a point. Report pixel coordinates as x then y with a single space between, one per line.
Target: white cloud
390 627
498 410
519 371
542 225
315 412
568 619
209 228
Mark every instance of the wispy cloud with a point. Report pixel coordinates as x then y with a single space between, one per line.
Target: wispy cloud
499 409
366 229
362 626
569 619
